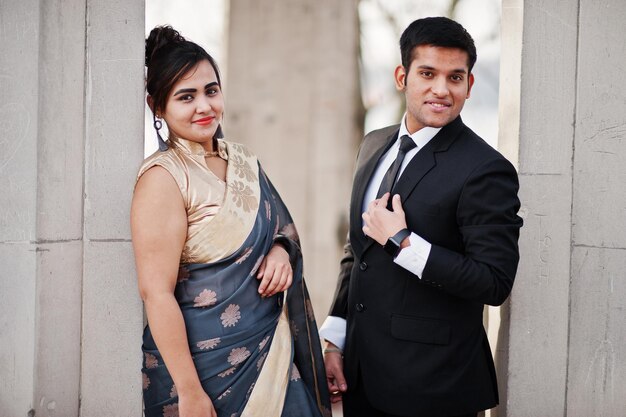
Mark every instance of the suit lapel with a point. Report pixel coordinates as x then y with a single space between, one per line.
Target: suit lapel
426 158
424 161
371 155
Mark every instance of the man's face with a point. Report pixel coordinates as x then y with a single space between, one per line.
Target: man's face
435 86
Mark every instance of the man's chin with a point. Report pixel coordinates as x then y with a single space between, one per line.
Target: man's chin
438 122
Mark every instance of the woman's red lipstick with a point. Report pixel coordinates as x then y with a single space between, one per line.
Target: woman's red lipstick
204 121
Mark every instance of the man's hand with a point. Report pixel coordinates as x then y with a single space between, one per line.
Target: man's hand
333 362
379 223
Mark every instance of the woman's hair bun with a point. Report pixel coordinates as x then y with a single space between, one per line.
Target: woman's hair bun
159 37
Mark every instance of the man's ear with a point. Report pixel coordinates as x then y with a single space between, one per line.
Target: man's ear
400 78
470 83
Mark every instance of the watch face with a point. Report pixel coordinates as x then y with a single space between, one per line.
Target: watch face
392 247
397 245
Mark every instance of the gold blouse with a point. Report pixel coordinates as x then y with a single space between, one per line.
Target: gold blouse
220 215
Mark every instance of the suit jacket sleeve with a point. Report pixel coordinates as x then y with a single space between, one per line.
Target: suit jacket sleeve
489 228
339 307
340 304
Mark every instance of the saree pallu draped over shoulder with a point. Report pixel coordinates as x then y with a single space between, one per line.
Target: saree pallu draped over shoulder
254 356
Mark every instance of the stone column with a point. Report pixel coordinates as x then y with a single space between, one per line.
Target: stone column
292 95
597 334
566 333
114 136
72 139
41 163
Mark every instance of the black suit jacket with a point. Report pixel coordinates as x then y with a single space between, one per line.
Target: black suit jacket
420 343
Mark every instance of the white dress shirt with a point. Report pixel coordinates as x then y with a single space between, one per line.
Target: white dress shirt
413 257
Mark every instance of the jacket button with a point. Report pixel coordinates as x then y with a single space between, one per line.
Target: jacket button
360 307
362 266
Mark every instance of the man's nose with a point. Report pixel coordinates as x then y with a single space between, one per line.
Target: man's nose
440 87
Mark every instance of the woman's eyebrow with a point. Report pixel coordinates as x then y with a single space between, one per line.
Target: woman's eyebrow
185 90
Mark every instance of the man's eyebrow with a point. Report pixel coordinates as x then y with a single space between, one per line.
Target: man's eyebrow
456 70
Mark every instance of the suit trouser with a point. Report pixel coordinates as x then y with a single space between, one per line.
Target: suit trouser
356 404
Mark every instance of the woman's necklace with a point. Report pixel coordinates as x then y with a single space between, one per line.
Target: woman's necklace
192 149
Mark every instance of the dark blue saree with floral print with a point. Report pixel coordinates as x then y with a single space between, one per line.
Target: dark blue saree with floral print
255 356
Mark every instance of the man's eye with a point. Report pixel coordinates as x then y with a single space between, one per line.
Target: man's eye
457 78
427 74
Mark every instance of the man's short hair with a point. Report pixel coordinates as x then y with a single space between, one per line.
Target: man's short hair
436 31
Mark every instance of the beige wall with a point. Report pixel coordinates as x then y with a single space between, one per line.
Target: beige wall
292 91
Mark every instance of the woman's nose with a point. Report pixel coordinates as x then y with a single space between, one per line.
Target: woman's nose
203 104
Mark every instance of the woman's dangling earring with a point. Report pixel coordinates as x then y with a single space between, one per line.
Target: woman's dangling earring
158 124
218 135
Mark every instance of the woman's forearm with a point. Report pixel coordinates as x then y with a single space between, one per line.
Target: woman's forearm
169 333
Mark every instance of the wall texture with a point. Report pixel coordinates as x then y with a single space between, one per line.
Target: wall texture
71 76
566 333
292 90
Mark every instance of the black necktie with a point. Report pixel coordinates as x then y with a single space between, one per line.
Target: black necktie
389 180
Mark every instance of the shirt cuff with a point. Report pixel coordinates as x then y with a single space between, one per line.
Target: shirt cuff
334 331
413 258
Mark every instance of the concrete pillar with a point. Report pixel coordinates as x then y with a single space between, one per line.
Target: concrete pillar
596 367
71 82
41 163
114 111
292 95
565 329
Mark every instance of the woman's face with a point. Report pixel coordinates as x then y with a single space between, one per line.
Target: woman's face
195 106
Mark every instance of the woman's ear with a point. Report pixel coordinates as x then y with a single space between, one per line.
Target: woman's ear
150 103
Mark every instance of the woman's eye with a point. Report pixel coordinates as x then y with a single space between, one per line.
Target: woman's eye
212 91
186 97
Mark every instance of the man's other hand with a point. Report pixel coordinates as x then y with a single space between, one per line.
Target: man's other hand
333 361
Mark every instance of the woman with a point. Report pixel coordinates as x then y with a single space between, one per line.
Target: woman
216 250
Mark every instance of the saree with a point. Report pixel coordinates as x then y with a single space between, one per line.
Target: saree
254 356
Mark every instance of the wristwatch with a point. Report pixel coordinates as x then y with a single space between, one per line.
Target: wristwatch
392 247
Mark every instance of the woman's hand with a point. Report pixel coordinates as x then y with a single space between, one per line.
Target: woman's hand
275 272
195 404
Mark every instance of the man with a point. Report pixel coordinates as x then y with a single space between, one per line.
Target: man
421 262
